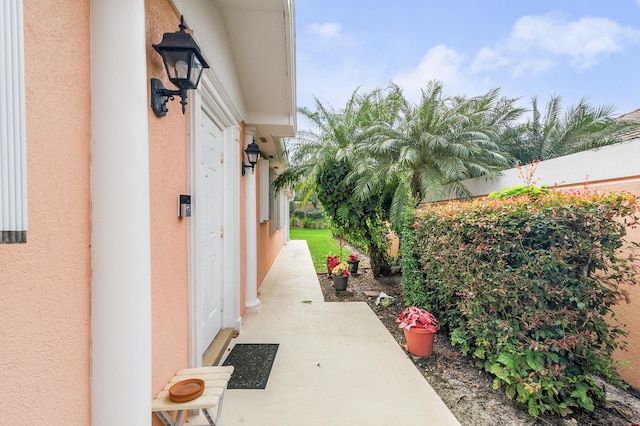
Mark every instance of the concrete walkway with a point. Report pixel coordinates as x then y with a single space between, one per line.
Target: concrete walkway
336 364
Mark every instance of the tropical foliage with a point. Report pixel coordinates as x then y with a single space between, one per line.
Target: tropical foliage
324 156
381 154
526 286
555 133
425 149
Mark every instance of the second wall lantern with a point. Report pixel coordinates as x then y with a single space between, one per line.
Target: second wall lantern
184 65
253 155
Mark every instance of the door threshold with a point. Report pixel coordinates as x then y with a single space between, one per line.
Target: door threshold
214 353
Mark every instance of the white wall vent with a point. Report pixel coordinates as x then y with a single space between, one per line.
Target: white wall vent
264 190
13 141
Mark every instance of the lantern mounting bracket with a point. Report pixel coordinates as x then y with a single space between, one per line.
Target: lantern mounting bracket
160 96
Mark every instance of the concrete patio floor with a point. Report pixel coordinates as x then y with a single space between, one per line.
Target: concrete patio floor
336 364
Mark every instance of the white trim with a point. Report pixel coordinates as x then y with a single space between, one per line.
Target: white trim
264 195
208 100
193 111
231 207
223 100
220 104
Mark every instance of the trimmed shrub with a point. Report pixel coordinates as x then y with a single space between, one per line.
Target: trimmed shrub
525 285
295 222
317 214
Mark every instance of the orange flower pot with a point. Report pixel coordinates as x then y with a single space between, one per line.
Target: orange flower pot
419 341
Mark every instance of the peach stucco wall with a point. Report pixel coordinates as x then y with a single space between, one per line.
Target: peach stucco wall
269 245
627 313
44 284
268 248
168 177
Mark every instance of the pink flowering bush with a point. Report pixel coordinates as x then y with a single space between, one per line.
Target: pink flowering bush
526 285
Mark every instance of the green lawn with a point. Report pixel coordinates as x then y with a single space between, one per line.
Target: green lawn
320 244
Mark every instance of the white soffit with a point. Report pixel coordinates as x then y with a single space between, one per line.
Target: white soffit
262 38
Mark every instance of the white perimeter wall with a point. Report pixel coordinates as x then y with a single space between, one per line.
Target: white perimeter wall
613 162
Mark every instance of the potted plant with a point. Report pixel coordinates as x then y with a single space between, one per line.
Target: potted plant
353 262
332 262
420 327
340 276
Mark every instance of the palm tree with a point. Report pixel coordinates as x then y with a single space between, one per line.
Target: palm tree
322 161
426 150
315 149
555 134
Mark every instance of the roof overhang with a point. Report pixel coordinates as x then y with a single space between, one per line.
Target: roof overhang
262 39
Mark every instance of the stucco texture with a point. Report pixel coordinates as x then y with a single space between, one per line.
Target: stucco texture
45 283
269 245
627 313
168 178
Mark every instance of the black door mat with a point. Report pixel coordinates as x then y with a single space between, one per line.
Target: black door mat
252 364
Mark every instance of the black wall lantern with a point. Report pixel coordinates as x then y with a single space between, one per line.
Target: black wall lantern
184 64
253 155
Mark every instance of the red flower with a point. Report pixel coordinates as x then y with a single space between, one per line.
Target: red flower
332 261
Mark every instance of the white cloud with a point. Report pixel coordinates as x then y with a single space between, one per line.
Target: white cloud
443 64
439 63
326 30
490 59
538 43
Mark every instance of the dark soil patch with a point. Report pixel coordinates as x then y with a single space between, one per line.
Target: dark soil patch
465 389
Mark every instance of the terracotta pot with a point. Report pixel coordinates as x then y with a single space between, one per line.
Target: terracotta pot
419 341
340 282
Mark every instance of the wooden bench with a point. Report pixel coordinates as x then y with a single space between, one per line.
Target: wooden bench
210 402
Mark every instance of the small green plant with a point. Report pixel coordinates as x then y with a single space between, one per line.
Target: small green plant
527 175
515 191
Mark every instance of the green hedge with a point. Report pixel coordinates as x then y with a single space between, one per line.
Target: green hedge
525 285
317 214
295 222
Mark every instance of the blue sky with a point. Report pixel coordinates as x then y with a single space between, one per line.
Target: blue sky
571 48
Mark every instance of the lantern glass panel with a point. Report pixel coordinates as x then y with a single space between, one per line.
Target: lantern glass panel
253 157
176 62
179 68
195 72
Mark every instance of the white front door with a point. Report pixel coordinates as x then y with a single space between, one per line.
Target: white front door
209 220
